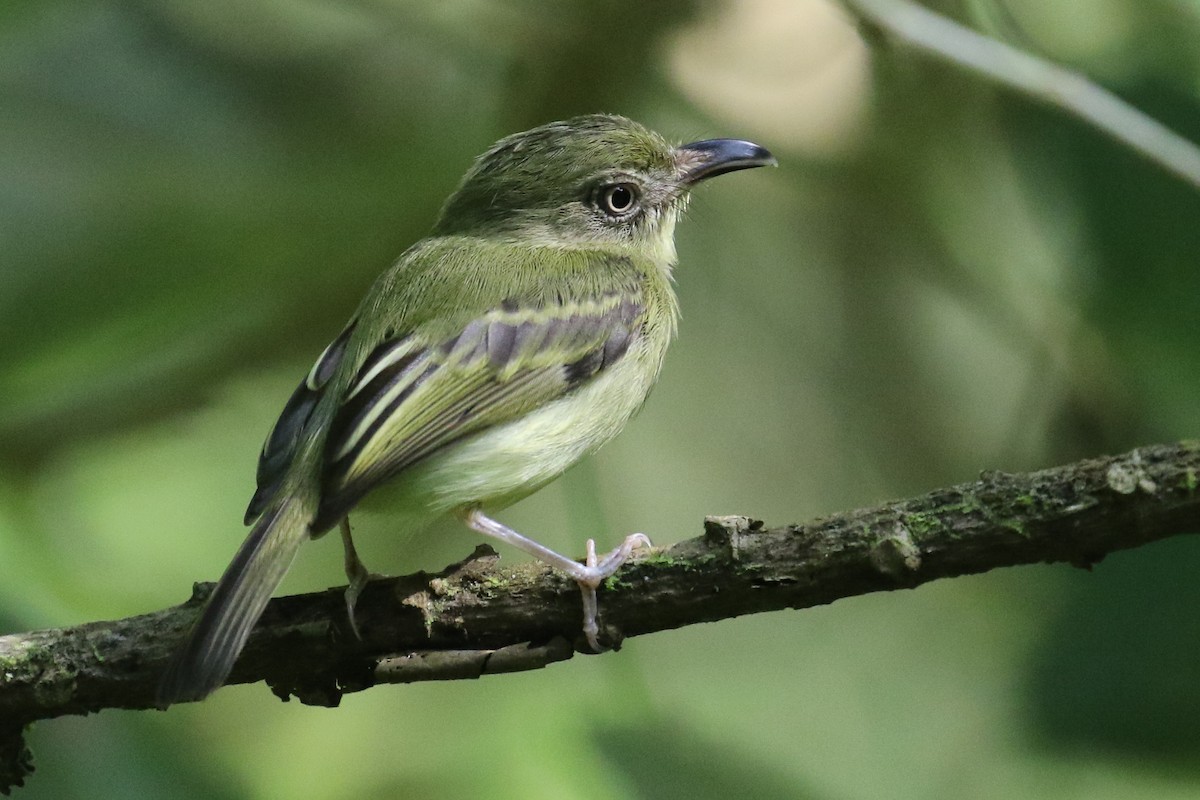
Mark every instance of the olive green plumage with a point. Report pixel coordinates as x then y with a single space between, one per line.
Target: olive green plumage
520 336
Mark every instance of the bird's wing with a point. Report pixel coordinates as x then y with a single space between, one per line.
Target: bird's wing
412 397
412 394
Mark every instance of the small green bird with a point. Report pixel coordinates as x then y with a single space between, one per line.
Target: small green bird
520 336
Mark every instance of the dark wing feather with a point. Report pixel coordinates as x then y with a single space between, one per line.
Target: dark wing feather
280 446
411 398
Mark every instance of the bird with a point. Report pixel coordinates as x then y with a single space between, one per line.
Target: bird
521 335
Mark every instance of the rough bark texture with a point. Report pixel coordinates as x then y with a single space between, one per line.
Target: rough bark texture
481 617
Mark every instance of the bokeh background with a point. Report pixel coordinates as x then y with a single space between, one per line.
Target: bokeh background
940 278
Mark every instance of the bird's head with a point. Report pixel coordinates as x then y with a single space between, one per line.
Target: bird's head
596 179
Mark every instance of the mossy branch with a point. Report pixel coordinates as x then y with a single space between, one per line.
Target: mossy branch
481 616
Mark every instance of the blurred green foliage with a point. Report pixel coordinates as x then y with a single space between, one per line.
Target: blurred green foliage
940 278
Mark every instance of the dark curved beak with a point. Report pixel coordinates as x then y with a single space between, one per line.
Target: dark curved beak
711 157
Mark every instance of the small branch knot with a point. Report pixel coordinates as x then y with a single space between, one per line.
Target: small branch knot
200 592
896 554
726 532
1127 477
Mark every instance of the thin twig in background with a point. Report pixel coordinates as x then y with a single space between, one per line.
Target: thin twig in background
915 25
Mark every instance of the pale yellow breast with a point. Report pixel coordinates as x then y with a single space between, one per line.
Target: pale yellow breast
500 465
504 464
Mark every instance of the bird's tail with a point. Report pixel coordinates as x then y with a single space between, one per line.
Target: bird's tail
216 640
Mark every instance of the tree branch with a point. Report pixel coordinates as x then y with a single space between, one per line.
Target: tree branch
480 617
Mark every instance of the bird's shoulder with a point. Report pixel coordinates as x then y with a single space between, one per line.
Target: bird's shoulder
441 284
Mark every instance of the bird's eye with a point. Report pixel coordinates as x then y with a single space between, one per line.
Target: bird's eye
618 199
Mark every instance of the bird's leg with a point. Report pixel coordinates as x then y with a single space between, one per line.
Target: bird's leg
357 575
588 575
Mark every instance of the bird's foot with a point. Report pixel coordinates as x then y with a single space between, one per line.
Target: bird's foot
595 571
589 575
357 582
357 577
